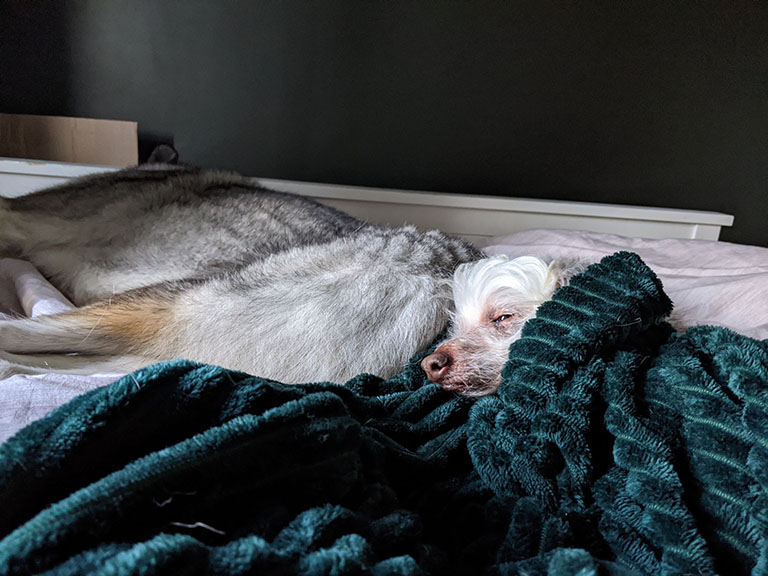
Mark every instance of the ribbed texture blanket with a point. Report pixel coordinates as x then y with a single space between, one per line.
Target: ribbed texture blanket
614 446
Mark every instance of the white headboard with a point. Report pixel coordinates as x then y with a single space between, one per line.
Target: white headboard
477 218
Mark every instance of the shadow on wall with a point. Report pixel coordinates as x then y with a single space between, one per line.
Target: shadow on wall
35 42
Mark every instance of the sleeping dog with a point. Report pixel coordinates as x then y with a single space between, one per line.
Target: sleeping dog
172 262
493 299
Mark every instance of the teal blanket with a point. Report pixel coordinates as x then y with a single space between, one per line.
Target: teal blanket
614 446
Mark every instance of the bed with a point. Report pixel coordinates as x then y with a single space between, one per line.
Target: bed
615 445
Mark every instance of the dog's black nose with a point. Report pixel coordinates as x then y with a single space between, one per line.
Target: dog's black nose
436 366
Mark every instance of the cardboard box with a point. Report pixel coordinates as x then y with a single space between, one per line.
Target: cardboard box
63 139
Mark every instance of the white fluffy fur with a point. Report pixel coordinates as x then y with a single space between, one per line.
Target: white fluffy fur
499 282
493 299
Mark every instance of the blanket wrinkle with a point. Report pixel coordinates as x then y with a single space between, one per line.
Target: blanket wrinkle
614 446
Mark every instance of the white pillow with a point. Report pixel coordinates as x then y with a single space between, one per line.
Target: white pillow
709 282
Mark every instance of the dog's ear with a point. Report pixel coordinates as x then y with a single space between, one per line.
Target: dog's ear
566 270
163 154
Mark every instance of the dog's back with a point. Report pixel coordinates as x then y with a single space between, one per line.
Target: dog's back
111 232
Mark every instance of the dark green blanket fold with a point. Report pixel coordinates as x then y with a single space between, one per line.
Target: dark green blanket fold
614 446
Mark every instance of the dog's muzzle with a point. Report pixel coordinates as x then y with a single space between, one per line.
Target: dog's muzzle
436 366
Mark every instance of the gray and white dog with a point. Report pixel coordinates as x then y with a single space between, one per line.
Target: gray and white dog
173 262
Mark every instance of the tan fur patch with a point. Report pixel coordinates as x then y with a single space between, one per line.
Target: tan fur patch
130 323
137 320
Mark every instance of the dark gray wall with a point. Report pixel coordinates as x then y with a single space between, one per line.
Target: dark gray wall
641 102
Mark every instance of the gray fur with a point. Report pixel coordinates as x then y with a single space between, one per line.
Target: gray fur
266 282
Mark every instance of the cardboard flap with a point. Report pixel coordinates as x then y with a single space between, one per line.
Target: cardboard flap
64 139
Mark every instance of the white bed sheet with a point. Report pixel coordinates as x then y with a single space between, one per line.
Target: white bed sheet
23 397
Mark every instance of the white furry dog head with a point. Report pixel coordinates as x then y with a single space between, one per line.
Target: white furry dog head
493 298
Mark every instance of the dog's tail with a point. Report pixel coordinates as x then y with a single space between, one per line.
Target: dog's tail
133 323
